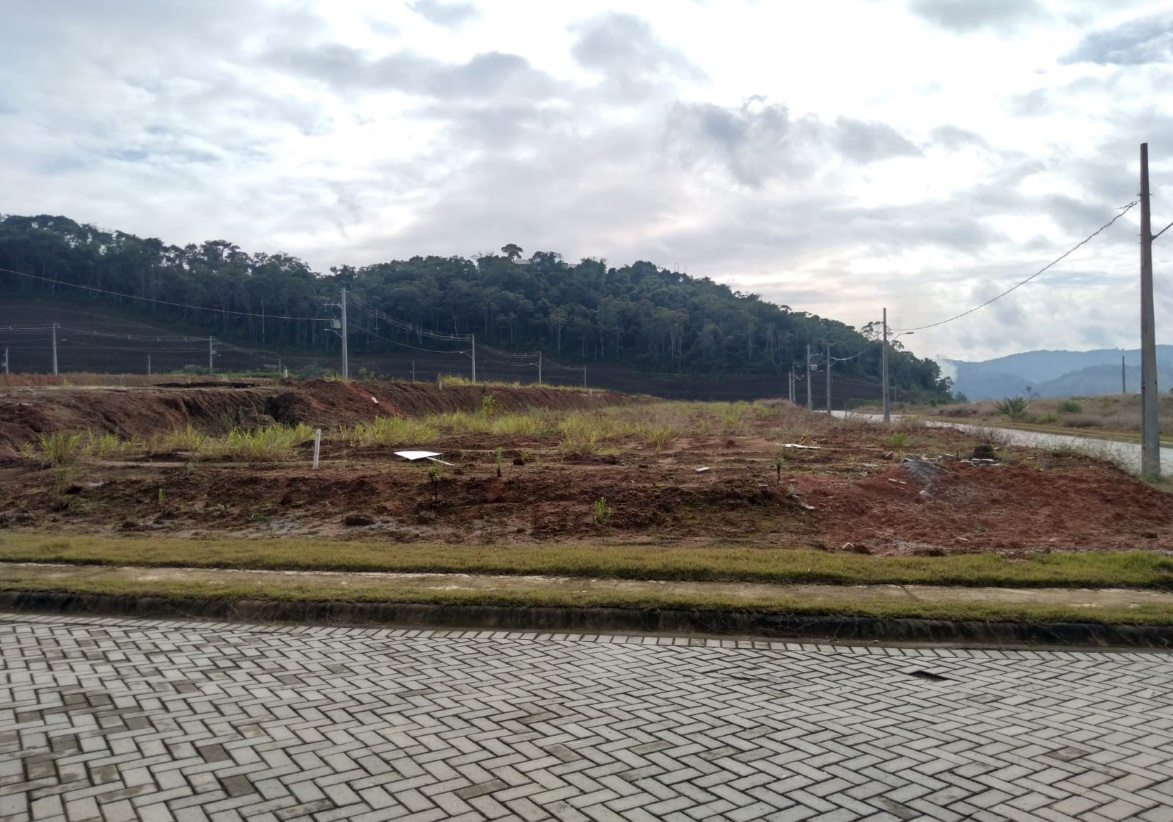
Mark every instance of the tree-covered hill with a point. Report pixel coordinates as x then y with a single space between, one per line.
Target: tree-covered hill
638 316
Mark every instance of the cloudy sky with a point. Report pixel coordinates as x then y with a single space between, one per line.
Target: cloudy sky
836 156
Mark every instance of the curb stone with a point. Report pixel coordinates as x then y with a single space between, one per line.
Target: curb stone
619 620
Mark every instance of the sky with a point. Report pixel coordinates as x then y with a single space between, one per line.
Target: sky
837 157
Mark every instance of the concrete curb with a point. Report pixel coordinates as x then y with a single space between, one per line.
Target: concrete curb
597 620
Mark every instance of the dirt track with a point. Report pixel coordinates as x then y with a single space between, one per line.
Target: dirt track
853 492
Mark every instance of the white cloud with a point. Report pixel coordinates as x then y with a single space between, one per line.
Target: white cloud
914 154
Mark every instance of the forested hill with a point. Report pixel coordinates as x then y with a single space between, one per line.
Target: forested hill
638 315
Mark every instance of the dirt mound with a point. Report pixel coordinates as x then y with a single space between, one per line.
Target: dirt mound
28 410
964 508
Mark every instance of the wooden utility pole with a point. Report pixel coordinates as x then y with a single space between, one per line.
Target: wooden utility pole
884 371
828 378
1150 444
809 404
345 335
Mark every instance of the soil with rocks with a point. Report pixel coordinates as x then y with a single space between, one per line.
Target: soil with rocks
845 487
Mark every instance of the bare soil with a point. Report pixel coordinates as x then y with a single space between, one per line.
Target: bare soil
855 491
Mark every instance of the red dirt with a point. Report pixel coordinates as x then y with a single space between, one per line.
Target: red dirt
852 493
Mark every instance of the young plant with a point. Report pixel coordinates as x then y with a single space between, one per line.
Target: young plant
435 474
500 459
488 405
602 511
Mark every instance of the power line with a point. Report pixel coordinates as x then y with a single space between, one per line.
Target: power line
222 311
403 325
1051 264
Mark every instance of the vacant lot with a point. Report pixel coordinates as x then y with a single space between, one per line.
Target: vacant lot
533 467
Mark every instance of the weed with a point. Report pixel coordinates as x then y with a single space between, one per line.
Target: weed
602 511
520 425
394 431
733 419
500 459
59 448
581 434
162 496
435 474
1012 407
1069 407
661 436
897 439
488 405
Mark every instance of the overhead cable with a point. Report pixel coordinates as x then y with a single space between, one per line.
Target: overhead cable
1124 210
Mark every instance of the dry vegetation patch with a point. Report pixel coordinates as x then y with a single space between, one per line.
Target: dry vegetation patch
577 469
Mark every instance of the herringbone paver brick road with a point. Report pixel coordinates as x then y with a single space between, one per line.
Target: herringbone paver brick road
118 720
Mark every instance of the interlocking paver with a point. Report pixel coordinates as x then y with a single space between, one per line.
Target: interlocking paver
126 720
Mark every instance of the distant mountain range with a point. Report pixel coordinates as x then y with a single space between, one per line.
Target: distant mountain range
1058 373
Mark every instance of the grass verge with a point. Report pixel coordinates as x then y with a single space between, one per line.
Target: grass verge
854 603
1084 570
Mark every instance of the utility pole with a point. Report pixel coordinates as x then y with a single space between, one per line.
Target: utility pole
539 368
884 370
211 354
345 358
790 385
1123 384
1150 445
54 349
5 360
809 405
828 379
148 365
473 337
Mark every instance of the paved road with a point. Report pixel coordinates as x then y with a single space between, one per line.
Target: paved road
120 720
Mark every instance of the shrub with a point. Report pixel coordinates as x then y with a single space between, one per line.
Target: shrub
1070 407
1012 407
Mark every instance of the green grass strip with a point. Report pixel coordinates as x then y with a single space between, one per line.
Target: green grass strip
860 605
1136 569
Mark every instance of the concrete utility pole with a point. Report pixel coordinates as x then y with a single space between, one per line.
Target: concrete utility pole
473 337
1123 383
5 360
345 357
828 379
211 354
539 368
809 404
1150 444
54 349
148 365
884 370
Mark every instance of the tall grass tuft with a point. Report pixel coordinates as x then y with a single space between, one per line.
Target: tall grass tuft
394 431
60 448
582 434
276 443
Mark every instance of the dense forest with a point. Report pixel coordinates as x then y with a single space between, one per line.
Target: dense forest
639 315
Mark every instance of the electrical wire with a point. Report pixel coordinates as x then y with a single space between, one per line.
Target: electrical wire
222 311
1124 210
406 326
